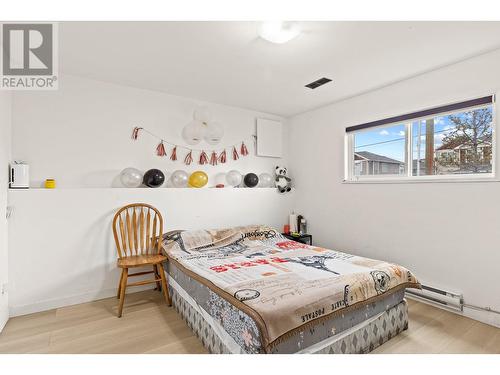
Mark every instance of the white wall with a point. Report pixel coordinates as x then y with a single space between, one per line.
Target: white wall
61 247
5 129
81 134
447 233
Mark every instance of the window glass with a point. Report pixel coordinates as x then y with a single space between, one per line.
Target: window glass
451 144
380 151
459 143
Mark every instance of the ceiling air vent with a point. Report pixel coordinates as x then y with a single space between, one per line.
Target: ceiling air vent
318 83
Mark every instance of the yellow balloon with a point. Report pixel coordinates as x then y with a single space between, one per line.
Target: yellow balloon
198 179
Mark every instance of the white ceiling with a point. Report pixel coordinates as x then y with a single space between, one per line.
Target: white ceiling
227 63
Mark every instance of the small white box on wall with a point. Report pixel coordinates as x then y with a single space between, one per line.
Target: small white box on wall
269 138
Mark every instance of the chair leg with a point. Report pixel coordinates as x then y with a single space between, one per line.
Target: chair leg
157 276
120 285
164 284
123 287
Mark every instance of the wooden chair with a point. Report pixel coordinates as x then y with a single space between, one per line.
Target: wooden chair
138 229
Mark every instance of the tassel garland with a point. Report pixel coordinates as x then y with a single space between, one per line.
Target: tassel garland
160 149
235 153
189 158
173 156
135 133
244 150
213 158
222 157
203 158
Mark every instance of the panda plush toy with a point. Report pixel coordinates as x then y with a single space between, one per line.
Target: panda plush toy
283 182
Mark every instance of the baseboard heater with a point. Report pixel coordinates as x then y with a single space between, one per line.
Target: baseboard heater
450 300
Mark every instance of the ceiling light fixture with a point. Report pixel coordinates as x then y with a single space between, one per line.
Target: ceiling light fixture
279 31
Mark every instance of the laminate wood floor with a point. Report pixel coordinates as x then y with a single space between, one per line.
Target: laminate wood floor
149 326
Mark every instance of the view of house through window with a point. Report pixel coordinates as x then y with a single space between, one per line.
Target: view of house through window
459 143
380 151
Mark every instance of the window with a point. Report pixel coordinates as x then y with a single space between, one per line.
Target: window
452 141
380 151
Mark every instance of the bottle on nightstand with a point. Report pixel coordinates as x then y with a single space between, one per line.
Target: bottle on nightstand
303 226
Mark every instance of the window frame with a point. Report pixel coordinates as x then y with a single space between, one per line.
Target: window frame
350 177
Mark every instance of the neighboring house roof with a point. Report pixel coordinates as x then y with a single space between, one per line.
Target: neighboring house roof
460 142
480 145
370 156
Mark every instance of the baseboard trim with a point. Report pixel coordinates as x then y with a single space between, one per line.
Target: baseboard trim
67 301
4 317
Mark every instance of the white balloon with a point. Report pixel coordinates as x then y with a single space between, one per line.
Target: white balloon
233 178
131 177
202 114
213 133
179 179
193 132
265 180
220 179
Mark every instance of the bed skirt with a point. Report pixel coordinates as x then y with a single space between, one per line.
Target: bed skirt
362 338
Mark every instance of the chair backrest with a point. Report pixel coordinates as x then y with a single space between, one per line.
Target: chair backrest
137 228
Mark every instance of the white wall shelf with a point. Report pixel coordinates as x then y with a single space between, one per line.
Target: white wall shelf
141 189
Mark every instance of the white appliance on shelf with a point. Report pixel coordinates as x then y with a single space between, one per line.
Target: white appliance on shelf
19 175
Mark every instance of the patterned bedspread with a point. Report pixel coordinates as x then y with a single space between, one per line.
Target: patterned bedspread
283 285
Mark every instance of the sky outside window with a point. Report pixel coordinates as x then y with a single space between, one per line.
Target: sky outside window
386 141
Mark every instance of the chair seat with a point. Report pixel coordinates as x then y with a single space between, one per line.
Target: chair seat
140 260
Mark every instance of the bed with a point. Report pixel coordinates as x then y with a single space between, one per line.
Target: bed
251 290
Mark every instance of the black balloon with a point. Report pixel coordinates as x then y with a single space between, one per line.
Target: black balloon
154 178
251 180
